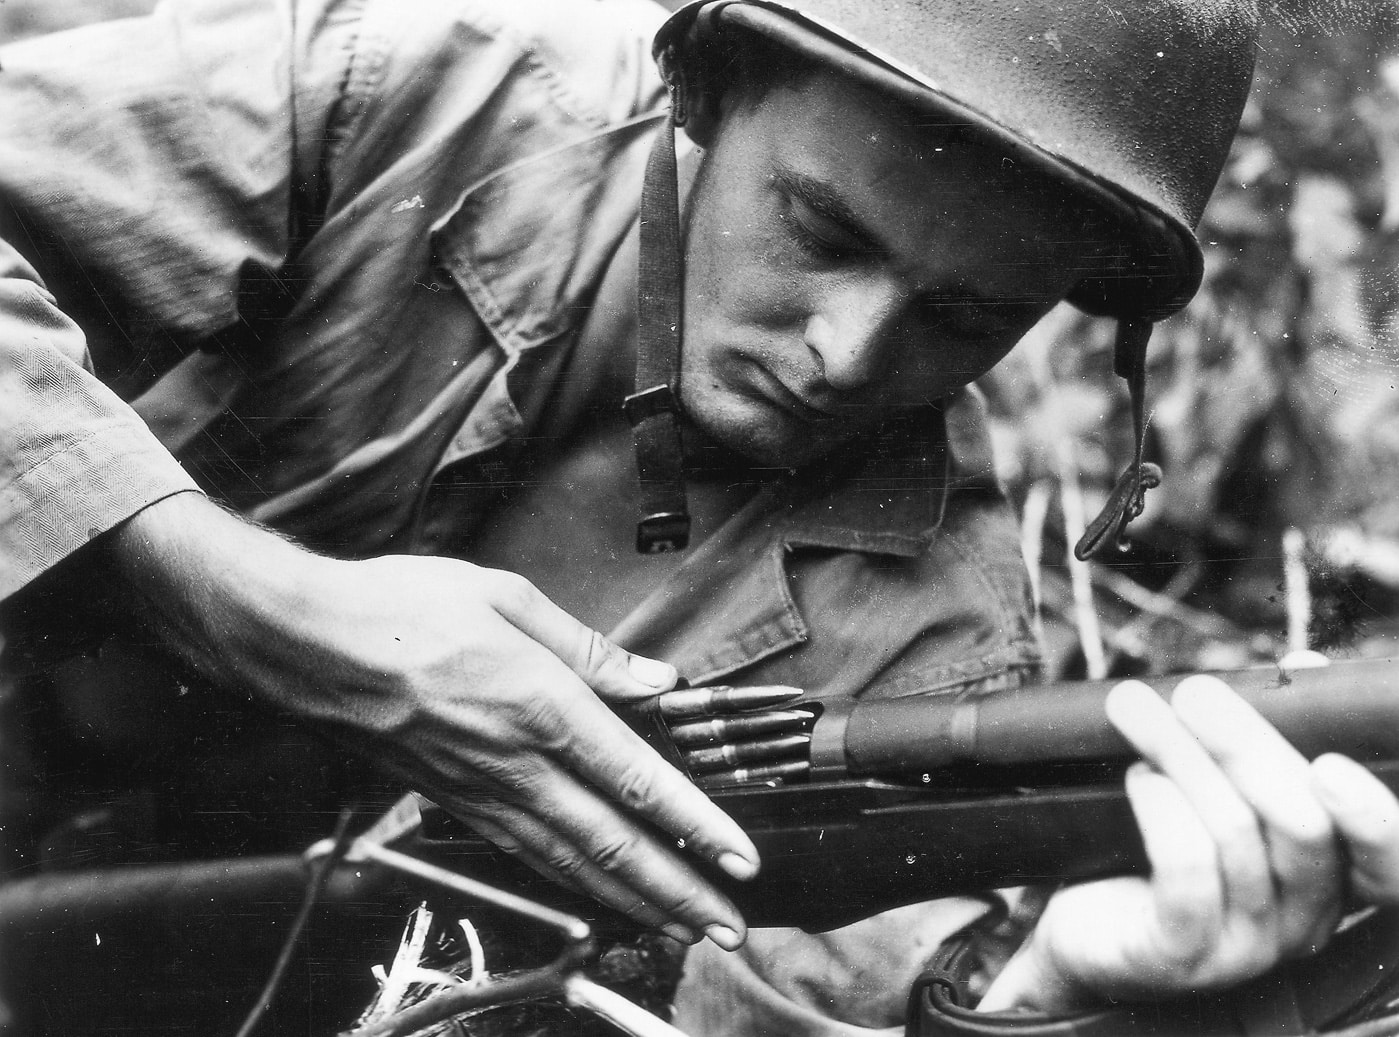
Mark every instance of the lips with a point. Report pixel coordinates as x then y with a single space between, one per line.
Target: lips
777 392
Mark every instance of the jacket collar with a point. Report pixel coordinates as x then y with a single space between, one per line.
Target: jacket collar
732 603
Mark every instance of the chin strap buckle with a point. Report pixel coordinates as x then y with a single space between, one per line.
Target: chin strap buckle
1128 497
1126 503
663 532
659 399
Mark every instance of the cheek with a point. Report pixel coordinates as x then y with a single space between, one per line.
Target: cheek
927 369
739 277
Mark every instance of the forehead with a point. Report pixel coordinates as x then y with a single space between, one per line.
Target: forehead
918 179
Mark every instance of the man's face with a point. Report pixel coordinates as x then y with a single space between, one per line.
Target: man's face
843 265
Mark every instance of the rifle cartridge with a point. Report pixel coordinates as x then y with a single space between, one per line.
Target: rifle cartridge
718 730
734 754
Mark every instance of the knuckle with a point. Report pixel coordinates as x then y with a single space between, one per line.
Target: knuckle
1314 838
614 851
1193 920
566 861
597 653
510 592
1307 831
543 715
636 789
513 779
1241 846
1193 937
685 902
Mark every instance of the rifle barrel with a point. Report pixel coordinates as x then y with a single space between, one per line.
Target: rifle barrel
1350 707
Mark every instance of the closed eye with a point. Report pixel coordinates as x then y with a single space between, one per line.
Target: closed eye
819 221
819 235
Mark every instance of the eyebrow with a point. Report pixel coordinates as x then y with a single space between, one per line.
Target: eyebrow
822 199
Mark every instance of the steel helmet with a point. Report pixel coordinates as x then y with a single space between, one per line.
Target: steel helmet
1133 104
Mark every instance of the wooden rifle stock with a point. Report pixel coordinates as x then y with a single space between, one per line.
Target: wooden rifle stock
922 797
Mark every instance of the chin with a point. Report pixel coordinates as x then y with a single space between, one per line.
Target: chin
759 433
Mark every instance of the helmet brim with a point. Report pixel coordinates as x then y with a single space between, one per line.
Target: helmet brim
1154 274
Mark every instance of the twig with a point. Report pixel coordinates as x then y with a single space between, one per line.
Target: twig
617 1010
523 986
321 870
395 983
1297 588
1036 513
1090 635
1163 606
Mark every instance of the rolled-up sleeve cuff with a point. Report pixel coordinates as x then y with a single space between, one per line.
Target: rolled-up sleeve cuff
107 473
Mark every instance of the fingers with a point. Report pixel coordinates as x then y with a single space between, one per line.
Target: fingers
1186 880
583 842
1149 723
605 889
1367 816
1274 779
616 761
577 787
609 670
1253 792
602 750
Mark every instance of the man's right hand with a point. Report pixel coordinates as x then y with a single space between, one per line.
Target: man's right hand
1253 853
467 682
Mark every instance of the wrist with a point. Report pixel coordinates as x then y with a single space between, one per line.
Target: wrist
215 588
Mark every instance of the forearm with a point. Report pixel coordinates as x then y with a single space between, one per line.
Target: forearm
223 594
465 681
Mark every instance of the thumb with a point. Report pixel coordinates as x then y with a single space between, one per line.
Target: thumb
619 676
614 673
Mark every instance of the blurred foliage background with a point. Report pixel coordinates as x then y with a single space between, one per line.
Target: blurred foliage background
1275 410
1274 407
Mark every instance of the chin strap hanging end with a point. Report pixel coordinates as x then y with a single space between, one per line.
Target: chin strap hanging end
1128 497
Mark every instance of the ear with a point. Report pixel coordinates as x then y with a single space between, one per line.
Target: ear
701 114
693 99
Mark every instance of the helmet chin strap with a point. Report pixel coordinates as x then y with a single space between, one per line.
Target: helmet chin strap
654 408
1129 495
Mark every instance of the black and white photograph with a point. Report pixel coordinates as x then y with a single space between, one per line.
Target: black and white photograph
727 518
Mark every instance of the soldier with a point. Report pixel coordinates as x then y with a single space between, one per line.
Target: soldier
317 328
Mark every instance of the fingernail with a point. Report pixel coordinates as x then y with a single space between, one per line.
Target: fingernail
681 933
651 672
739 867
724 937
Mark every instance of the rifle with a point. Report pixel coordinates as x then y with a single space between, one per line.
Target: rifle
878 803
896 801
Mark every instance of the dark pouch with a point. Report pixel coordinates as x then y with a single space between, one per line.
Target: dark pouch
1350 988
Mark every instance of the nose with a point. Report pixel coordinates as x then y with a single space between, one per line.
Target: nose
851 331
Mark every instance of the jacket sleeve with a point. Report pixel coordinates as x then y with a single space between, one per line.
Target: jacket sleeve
146 172
75 459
